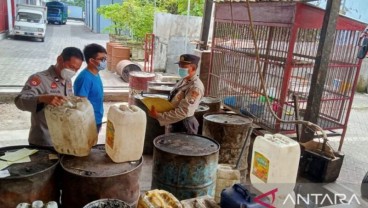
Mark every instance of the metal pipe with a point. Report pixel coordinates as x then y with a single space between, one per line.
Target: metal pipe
187 26
206 22
321 66
10 16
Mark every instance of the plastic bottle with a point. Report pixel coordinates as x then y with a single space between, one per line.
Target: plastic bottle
125 132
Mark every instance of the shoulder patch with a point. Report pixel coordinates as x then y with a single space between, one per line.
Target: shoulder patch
53 85
193 96
35 81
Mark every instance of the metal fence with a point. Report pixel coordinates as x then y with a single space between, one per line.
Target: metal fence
287 52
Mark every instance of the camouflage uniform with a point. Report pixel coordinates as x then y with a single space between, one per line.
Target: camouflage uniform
45 82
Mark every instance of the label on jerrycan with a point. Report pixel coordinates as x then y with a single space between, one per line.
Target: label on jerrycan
110 134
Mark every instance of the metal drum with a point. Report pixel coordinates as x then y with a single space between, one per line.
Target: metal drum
85 179
30 181
118 54
185 165
139 80
109 46
163 89
199 113
230 130
113 203
124 67
153 128
213 103
159 83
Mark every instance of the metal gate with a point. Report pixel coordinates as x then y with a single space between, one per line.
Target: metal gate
287 37
148 52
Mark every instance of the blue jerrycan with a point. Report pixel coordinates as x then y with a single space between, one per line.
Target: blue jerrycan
239 196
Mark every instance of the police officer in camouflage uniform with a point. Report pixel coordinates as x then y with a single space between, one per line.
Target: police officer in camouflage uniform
48 87
185 97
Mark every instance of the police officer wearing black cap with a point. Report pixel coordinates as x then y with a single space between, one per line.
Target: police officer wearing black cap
185 97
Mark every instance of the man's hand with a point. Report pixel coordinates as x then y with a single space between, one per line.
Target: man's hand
153 112
54 100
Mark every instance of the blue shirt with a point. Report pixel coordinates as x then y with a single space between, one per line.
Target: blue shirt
90 85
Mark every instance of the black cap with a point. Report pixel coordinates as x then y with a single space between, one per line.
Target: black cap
188 59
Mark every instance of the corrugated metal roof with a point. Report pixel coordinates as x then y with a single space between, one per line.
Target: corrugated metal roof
220 1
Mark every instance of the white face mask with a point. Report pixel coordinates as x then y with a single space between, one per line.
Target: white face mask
67 73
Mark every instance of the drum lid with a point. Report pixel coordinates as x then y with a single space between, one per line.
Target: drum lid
41 161
202 108
186 145
140 97
210 100
227 118
141 74
97 164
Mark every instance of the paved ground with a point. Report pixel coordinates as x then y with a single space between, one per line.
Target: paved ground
21 58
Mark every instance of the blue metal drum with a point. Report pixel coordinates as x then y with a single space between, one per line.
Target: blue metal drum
185 165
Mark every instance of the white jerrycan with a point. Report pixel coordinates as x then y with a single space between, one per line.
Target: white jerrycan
72 126
275 161
125 132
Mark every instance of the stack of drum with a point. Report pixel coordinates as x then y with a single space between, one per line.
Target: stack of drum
116 53
109 46
119 53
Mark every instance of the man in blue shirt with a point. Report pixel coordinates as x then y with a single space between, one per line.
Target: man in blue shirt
88 83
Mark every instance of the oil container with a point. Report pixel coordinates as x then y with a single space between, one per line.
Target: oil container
126 126
275 160
212 102
199 113
86 179
72 126
185 165
30 181
240 196
230 130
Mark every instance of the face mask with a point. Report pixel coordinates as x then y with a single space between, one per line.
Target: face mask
183 72
102 65
67 73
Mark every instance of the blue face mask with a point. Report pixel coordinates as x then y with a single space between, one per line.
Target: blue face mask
183 72
102 65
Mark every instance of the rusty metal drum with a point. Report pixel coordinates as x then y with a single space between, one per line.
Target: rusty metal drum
153 128
230 131
212 102
138 80
30 181
96 176
124 67
198 114
185 165
159 83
